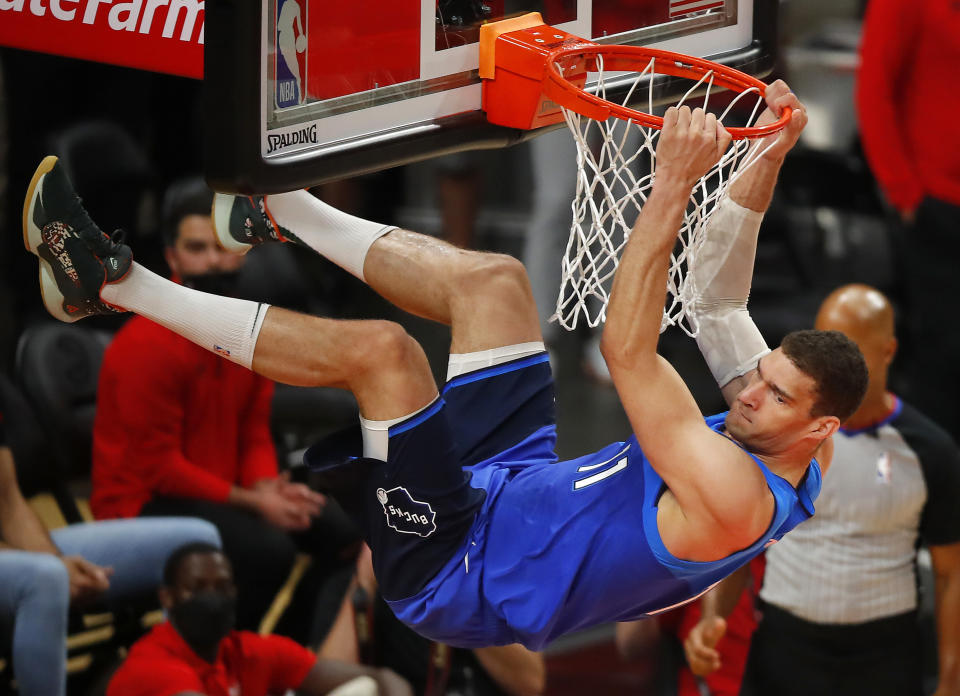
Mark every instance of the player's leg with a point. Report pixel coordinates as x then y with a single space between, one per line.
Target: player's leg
484 297
83 272
384 367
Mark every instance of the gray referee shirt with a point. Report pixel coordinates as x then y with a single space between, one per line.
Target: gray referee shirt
853 561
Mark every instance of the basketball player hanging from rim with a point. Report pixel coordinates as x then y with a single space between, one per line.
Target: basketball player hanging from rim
479 535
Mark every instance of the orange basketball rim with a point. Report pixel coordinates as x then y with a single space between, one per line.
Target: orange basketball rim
530 70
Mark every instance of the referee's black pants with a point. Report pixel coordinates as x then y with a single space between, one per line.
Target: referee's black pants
792 657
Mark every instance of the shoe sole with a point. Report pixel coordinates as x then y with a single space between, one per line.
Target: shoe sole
222 207
33 238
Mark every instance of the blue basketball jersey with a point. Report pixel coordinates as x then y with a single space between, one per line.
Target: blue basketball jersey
560 546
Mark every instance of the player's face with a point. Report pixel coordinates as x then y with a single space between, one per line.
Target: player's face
772 413
196 253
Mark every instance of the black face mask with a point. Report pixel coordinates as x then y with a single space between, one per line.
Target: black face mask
204 620
223 283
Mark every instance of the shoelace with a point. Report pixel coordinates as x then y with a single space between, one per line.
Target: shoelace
104 245
85 228
108 245
77 214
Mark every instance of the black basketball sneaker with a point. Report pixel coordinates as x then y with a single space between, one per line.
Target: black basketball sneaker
76 258
243 222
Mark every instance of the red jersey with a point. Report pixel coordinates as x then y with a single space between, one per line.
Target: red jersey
733 647
906 100
162 664
174 419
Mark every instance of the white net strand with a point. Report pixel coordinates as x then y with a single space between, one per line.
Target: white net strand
610 193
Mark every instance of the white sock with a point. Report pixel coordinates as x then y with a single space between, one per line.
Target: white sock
376 436
342 238
224 325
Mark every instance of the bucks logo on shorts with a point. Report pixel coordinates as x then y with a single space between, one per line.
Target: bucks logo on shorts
406 515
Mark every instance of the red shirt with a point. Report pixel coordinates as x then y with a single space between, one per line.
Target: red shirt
733 647
174 419
162 664
907 100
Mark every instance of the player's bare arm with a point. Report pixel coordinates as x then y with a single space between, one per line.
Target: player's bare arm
712 508
753 191
728 338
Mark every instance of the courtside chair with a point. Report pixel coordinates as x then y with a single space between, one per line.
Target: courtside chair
94 634
58 366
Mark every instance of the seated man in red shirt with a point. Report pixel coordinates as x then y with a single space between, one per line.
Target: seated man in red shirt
181 432
197 652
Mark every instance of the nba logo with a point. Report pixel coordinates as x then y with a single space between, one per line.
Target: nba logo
884 468
290 53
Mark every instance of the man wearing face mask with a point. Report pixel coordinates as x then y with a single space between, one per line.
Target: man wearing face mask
198 652
179 431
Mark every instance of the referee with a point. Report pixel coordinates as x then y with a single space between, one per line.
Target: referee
839 598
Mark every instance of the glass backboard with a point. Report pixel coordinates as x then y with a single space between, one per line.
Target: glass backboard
303 91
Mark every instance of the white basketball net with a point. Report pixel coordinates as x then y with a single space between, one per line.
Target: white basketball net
610 193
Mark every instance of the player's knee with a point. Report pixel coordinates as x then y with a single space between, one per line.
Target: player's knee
390 371
497 277
384 345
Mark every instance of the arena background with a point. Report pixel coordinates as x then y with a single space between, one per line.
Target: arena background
144 129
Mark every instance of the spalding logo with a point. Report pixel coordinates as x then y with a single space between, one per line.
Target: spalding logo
406 515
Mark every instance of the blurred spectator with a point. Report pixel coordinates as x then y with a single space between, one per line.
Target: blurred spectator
907 107
554 184
459 185
197 651
839 597
366 630
638 639
179 431
42 573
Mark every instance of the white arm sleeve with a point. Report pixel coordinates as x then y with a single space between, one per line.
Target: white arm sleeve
729 340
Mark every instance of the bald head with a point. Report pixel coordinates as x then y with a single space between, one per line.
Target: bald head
857 306
865 316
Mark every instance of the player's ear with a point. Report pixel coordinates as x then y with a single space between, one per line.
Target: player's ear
825 426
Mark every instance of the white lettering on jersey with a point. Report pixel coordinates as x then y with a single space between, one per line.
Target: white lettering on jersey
620 465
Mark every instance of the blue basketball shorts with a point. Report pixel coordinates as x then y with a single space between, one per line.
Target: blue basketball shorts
416 509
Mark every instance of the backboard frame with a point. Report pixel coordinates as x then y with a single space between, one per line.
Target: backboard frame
233 92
